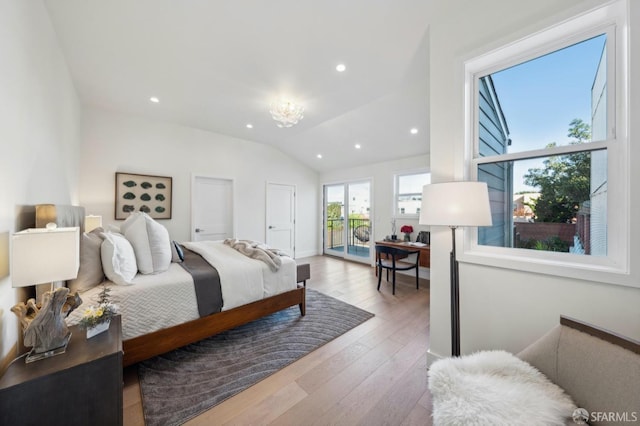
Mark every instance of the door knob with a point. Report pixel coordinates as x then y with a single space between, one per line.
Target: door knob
271 227
199 230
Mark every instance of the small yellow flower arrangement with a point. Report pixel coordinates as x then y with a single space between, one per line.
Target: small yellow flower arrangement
101 313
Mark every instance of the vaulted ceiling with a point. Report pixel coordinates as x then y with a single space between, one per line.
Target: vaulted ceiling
218 64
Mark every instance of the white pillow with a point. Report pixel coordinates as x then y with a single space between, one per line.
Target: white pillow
118 259
150 241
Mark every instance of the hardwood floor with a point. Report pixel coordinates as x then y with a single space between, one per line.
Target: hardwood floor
375 374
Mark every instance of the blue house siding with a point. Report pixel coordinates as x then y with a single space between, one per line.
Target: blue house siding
599 183
493 136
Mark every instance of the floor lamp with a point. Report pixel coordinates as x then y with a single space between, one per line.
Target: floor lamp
455 204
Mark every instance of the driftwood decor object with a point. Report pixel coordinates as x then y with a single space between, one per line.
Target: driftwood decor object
44 328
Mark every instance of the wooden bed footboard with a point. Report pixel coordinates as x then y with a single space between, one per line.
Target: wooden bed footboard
165 340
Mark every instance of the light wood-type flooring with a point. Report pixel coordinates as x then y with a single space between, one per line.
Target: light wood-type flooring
375 374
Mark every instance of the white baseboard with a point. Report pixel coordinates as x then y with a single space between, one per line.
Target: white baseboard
307 253
433 357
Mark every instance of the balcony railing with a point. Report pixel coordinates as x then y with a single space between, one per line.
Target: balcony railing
358 235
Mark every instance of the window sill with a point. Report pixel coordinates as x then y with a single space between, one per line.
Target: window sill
592 271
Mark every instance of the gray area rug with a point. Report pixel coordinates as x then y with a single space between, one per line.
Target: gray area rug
181 384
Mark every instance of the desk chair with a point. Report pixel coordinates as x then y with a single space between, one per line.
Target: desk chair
391 261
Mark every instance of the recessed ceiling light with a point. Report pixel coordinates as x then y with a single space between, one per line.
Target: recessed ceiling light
358 146
414 131
249 126
319 155
154 99
341 67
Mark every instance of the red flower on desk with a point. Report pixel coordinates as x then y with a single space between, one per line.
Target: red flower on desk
406 229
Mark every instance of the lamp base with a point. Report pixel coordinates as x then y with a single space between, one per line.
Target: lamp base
455 296
36 356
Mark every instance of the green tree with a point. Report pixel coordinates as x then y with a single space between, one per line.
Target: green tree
334 210
564 180
334 216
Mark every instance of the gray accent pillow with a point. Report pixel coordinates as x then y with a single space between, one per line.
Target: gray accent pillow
90 273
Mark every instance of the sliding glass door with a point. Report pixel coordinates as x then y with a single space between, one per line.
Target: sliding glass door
334 196
347 230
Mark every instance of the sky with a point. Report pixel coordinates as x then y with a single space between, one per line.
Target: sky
539 98
358 200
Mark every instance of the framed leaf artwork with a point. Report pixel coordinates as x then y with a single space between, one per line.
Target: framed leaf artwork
144 193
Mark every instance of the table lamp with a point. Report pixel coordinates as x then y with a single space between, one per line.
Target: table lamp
4 254
92 222
44 255
455 204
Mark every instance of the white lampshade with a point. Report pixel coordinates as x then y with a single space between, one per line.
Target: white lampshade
41 255
455 204
92 222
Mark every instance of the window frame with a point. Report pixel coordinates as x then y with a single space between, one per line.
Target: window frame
396 192
615 266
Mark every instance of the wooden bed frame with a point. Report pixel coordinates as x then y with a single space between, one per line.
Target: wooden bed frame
162 341
165 340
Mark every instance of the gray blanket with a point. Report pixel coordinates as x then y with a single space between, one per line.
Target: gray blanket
206 281
259 251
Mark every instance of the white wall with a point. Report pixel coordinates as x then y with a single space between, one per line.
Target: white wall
39 133
382 176
114 142
505 308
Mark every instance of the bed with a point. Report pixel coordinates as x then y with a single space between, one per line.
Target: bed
160 311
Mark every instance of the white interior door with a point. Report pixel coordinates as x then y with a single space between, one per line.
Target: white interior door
281 218
211 208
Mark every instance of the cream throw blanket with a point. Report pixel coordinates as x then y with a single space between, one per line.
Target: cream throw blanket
259 251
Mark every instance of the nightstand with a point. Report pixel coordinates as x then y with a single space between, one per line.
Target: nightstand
80 387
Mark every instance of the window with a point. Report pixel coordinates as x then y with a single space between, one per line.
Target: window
555 202
543 136
408 190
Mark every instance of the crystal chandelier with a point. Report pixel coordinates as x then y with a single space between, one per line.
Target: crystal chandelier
286 113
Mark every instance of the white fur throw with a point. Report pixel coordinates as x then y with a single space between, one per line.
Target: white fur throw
495 388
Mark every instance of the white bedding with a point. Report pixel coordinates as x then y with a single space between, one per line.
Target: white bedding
252 279
152 302
163 300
